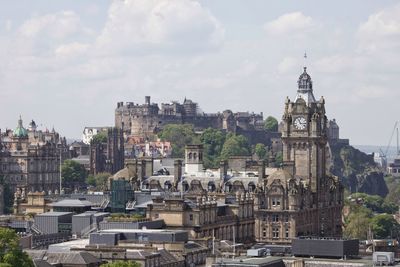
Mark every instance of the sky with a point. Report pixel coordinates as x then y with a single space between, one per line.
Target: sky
66 63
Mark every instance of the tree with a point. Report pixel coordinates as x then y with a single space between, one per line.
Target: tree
121 264
260 151
357 223
384 226
179 135
213 140
376 203
99 138
10 252
271 124
235 145
99 180
8 196
73 174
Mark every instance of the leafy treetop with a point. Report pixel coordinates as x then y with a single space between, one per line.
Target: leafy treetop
10 252
271 124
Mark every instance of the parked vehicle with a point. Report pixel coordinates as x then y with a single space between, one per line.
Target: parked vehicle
383 258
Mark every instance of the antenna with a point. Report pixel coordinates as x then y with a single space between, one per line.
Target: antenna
397 143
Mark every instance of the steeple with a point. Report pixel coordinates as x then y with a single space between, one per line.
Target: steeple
304 84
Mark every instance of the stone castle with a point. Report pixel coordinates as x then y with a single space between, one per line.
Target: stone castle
148 118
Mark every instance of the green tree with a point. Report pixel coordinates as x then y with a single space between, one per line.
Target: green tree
10 252
235 145
213 140
384 226
73 174
271 124
179 135
260 151
99 138
357 223
99 181
376 203
8 196
121 264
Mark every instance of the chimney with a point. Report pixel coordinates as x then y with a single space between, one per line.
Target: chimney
261 171
147 100
177 171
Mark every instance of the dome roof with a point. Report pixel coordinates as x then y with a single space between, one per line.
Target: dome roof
20 131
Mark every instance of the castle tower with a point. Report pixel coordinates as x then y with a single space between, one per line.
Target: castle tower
193 158
304 134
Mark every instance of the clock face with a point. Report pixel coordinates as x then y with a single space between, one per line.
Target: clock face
300 123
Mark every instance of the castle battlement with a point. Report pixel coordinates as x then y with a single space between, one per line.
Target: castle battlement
148 118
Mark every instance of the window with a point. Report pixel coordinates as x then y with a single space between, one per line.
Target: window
264 232
287 232
275 232
275 218
156 215
276 201
286 218
191 217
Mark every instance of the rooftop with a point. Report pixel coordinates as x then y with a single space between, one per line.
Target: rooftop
53 213
72 203
141 231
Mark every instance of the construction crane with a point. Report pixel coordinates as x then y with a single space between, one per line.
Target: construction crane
395 129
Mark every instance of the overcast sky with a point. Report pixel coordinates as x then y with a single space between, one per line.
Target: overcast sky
67 63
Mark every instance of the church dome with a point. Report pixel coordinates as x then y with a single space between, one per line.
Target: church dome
20 131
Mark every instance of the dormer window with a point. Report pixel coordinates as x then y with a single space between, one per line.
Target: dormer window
276 201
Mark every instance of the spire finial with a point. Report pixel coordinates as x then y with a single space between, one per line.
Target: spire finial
305 60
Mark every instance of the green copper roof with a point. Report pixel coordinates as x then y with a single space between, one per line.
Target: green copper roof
20 131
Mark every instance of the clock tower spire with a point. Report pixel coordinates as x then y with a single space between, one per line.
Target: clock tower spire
304 134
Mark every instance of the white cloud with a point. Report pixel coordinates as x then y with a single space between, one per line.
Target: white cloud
58 25
381 31
294 22
71 49
140 25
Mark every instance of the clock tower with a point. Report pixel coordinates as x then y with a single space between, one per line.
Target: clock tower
304 134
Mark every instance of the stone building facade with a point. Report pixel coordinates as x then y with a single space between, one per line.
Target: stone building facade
302 198
299 199
206 215
108 156
30 158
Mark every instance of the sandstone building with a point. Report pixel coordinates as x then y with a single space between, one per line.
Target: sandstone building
30 158
108 156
